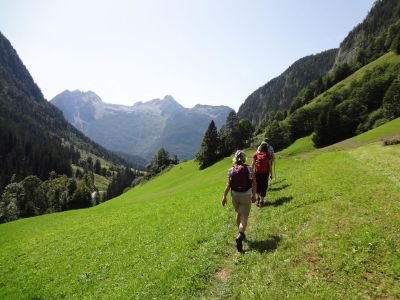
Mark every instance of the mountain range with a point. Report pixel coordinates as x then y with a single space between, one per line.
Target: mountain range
144 127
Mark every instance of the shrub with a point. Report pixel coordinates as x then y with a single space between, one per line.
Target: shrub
391 141
81 197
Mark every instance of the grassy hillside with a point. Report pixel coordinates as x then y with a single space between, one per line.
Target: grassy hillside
301 145
389 58
388 130
330 230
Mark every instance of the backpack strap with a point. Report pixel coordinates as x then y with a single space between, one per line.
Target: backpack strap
250 172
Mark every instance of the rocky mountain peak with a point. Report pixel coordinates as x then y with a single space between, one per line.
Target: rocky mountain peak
77 96
142 128
166 106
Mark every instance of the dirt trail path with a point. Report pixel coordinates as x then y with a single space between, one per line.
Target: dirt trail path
220 285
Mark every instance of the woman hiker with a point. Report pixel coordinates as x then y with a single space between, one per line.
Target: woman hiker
262 167
242 184
271 152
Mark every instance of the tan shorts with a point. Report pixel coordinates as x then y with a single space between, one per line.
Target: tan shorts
241 202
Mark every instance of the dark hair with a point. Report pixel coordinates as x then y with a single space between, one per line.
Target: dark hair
264 148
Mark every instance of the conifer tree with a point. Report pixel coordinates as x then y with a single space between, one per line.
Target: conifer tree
391 100
208 152
97 167
233 130
326 128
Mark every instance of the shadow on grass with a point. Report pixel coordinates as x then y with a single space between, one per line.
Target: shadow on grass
268 245
278 188
279 201
278 181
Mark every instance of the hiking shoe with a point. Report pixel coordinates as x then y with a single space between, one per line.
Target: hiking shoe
239 244
261 204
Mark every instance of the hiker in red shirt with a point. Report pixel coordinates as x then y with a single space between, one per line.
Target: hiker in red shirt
241 182
262 167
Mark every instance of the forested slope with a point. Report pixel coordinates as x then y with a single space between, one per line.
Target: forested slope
34 134
365 99
278 93
376 35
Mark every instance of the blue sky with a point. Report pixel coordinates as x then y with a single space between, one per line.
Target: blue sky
207 51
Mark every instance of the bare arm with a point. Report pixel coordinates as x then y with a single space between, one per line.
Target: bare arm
254 185
227 188
254 188
271 162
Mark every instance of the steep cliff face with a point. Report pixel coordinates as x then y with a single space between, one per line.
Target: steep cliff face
377 34
370 35
279 92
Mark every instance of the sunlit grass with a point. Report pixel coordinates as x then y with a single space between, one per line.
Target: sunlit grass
386 130
301 145
330 230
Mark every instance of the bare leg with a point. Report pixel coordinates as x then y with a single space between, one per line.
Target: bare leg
238 220
243 223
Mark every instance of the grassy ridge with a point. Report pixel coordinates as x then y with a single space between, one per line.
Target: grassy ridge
330 231
301 145
387 130
388 58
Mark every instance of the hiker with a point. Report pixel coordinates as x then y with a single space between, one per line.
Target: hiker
270 151
241 182
262 165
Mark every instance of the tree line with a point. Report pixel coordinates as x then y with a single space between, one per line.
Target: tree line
24 154
33 196
25 195
234 134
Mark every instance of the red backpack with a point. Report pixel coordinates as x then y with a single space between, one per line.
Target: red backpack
262 163
240 178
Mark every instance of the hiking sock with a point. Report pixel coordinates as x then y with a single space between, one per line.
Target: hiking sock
240 236
239 241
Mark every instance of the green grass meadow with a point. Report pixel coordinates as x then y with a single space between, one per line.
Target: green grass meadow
388 130
330 231
300 146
